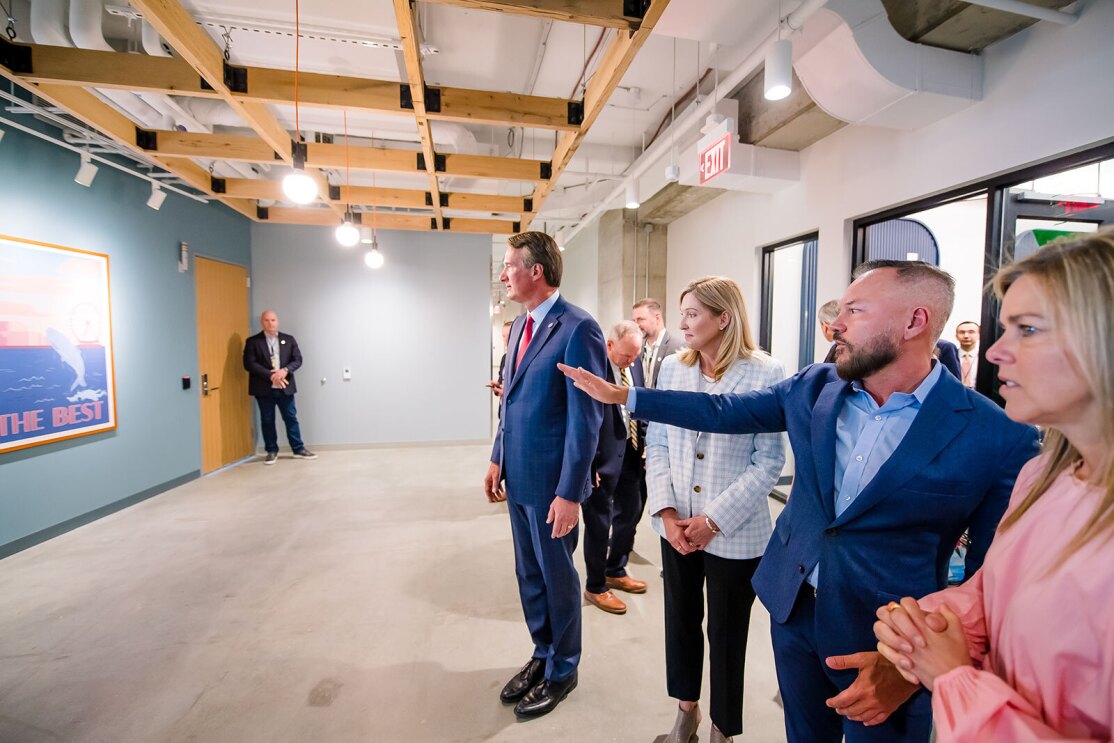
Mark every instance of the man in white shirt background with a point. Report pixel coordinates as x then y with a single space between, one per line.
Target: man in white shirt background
658 343
967 333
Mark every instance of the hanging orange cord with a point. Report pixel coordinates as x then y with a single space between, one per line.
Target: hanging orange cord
297 50
373 193
347 171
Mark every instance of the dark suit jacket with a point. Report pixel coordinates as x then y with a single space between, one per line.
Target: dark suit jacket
257 362
954 470
946 351
548 429
608 462
669 346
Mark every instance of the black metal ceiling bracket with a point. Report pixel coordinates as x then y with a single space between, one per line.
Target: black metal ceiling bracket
236 78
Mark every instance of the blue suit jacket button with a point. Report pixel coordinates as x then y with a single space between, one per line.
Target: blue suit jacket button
801 568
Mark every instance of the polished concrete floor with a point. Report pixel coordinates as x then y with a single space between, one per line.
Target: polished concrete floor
365 596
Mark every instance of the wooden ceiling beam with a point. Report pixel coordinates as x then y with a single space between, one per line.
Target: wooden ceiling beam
613 65
412 54
193 43
95 113
403 198
254 150
172 76
609 13
411 222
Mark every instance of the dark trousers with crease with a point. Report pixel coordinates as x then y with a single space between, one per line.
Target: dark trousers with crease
730 598
611 516
806 683
549 587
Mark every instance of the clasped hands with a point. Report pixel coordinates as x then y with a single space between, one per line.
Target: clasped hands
278 379
922 645
686 535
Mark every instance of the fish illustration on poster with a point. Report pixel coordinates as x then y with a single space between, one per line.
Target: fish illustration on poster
56 363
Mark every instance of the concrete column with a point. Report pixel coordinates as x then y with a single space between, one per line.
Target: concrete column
632 264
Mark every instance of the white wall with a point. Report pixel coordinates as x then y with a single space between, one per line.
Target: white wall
580 284
416 333
1046 93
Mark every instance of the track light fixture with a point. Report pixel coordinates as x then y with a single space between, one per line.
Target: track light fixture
157 197
632 195
86 172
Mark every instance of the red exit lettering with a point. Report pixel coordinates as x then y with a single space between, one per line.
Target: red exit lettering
715 159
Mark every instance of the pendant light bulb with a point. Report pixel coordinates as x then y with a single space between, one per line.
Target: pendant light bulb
348 234
373 258
299 187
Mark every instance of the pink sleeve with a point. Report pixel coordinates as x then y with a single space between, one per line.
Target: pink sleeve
966 601
971 706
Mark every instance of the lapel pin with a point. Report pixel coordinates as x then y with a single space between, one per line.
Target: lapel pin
283 342
549 326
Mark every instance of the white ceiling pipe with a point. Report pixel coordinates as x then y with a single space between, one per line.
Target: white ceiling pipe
660 147
86 24
152 43
48 23
446 135
1030 11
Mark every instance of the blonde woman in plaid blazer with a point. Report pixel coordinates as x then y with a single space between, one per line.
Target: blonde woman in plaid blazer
707 496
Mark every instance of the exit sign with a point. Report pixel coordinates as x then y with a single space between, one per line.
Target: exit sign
715 158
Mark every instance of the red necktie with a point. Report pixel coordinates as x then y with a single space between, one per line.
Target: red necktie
526 336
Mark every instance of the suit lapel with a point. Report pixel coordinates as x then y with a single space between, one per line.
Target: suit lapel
825 415
541 335
935 426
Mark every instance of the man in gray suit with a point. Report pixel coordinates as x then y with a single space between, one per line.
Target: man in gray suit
658 342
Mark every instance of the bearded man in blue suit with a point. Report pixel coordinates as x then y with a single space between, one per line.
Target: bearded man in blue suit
894 460
548 432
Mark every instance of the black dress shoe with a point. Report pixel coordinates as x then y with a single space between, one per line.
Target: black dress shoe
523 681
544 698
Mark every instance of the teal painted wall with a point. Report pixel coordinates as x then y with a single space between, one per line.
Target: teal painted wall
157 441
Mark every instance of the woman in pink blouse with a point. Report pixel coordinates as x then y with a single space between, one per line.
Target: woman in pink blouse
1024 651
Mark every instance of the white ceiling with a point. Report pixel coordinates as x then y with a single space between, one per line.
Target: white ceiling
493 51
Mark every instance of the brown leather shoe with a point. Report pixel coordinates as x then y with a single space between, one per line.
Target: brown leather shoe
627 583
607 601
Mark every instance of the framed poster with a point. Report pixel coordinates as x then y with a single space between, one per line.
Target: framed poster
56 373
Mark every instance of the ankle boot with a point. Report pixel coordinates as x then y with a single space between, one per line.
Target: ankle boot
717 736
685 726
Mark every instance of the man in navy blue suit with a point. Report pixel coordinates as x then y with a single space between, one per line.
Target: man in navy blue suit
541 463
612 512
894 460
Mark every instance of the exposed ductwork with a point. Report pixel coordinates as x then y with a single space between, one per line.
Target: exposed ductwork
85 30
858 69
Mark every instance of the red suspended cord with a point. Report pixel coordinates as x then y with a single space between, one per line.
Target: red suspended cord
297 49
347 170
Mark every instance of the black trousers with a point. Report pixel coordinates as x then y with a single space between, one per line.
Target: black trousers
730 598
611 515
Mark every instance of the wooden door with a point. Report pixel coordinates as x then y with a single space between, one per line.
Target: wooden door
222 328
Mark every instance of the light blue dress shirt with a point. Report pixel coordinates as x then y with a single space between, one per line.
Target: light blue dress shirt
867 434
539 312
